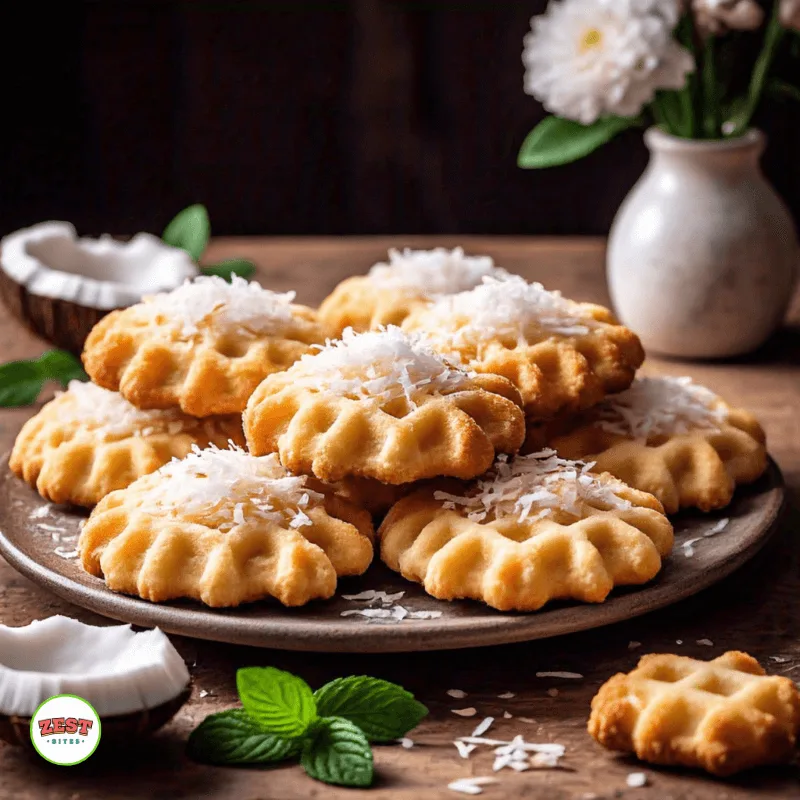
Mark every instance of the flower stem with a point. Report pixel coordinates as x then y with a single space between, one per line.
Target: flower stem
688 96
772 40
711 122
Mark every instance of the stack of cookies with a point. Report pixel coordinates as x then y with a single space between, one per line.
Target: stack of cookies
493 429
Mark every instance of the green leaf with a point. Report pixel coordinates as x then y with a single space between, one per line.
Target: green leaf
384 711
231 266
21 382
232 737
190 230
281 703
338 753
784 90
556 141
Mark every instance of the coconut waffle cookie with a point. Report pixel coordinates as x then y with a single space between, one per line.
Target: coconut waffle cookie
389 291
666 436
561 355
203 347
723 716
89 441
225 528
536 528
382 405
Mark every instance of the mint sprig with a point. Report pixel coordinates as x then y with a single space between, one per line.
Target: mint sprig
190 230
21 382
330 729
383 710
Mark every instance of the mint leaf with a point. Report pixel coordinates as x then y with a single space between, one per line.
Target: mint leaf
384 711
189 230
231 266
232 737
281 703
338 753
556 141
21 382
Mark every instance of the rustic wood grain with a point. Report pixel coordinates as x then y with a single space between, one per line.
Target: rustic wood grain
757 609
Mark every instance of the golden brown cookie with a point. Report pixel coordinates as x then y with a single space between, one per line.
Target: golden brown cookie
203 347
388 292
723 716
225 528
537 528
666 436
381 405
89 442
561 355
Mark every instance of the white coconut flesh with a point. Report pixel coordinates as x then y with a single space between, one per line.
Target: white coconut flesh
50 260
115 669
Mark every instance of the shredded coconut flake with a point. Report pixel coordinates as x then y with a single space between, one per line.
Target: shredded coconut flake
465 712
661 407
504 308
458 694
565 675
226 488
507 695
209 301
705 642
470 785
101 410
464 749
433 273
406 743
633 645
379 365
483 726
636 780
533 487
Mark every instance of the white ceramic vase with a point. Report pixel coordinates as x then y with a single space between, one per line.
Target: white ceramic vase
703 255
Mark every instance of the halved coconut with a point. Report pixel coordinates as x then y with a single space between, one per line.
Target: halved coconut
61 285
135 681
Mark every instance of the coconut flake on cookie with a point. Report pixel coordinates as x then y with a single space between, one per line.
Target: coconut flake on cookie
230 487
209 301
502 308
433 273
534 487
381 365
661 407
109 412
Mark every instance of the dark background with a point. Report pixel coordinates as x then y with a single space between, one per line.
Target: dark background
368 116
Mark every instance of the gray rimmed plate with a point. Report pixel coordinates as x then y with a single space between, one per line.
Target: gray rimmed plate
38 540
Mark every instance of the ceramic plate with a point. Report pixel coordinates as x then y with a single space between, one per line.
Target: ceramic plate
39 540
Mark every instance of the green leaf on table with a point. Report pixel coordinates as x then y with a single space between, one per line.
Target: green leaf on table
281 703
21 382
384 711
556 141
233 737
231 266
338 753
190 230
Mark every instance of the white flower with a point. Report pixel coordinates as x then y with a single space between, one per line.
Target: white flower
586 59
790 14
716 17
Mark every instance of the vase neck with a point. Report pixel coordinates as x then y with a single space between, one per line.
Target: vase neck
741 153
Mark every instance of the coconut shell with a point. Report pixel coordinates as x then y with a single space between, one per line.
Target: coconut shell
16 730
62 322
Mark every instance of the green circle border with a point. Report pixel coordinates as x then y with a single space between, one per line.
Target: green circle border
96 744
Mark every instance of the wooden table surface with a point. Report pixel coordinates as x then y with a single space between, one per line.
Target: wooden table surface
757 609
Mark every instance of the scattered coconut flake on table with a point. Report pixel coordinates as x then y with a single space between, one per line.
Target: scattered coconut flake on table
465 712
433 273
679 641
661 407
507 695
406 743
779 659
470 785
532 487
516 753
371 595
552 692
459 694
506 715
718 527
379 366
565 675
41 511
705 642
424 614
42 526
633 645
636 780
464 749
483 727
